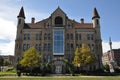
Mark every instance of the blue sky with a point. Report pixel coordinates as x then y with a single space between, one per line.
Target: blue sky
108 10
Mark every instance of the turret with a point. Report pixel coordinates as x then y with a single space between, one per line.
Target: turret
18 41
98 40
21 16
95 18
21 21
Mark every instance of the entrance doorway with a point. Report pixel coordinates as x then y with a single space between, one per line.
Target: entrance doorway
58 69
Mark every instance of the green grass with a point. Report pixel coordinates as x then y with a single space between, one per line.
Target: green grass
61 78
7 74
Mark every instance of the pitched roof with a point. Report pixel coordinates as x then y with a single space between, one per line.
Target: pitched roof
26 26
59 9
95 14
21 13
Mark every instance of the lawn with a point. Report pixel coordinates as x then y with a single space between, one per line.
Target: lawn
61 78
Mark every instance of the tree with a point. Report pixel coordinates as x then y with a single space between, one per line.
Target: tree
77 57
1 61
31 59
83 56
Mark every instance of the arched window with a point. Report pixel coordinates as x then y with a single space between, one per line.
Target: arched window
58 21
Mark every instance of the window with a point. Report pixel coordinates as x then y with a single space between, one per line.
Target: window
37 36
45 36
49 36
36 46
24 47
58 42
97 21
44 58
48 46
76 36
40 37
58 21
90 37
68 36
72 46
68 46
79 36
71 36
28 46
25 37
28 36
49 58
76 45
19 21
40 47
45 47
92 48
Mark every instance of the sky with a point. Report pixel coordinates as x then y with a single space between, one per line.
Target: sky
108 10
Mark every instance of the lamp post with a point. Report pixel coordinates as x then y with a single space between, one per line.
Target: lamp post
112 62
78 67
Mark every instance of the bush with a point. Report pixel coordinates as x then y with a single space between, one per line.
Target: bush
10 69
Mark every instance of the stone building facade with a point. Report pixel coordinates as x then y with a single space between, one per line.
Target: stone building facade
57 37
108 55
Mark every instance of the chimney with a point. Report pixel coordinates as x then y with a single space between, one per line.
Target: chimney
33 20
82 20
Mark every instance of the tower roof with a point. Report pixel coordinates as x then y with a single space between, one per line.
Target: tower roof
21 13
95 14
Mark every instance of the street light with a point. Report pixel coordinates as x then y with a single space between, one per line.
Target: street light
78 67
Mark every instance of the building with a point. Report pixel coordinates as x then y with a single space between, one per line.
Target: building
8 58
57 37
115 55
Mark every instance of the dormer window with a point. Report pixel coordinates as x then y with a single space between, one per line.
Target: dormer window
58 21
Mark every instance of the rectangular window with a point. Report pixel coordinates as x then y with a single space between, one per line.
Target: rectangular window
79 36
24 47
48 46
28 36
58 42
72 46
40 47
45 47
19 21
40 37
25 37
68 36
48 36
68 46
88 36
76 36
37 36
28 46
71 36
45 36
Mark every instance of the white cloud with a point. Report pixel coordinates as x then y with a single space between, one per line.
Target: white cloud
7 29
7 32
106 46
7 48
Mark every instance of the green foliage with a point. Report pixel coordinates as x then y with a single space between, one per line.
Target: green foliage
83 56
69 66
106 67
1 61
31 58
10 69
7 63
